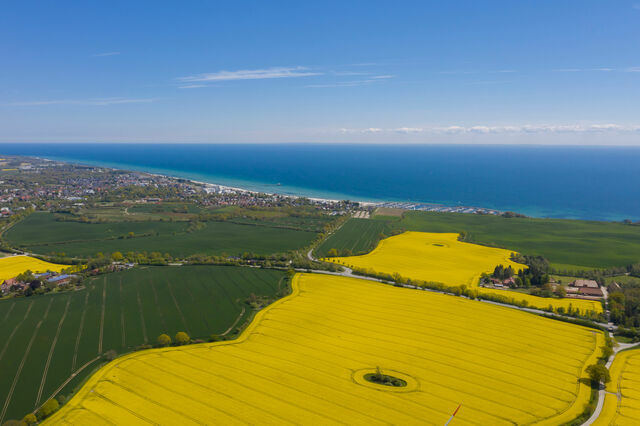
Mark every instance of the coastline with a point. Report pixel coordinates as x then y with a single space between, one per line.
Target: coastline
301 193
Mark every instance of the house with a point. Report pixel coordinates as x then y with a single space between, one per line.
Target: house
573 290
60 279
614 286
589 291
7 284
585 283
510 282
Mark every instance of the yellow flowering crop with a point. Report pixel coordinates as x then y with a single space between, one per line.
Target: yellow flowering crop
302 359
441 257
11 266
622 402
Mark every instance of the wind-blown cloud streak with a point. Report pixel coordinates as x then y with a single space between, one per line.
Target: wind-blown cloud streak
259 74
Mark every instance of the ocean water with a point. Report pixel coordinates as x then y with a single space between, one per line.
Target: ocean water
598 183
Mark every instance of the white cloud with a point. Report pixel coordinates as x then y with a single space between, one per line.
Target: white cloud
98 55
406 130
506 129
278 72
87 102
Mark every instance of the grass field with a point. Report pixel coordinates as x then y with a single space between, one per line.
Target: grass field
357 235
41 233
568 244
443 258
622 402
302 361
44 339
11 266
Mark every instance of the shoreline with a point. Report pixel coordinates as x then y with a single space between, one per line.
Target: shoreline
405 205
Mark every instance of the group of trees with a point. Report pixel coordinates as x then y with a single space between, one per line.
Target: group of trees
624 305
181 338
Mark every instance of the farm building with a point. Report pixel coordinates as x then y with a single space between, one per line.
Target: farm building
585 283
60 279
588 291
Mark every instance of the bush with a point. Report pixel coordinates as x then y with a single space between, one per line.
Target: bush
47 409
182 338
164 340
30 419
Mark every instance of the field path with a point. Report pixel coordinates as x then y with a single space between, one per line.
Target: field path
155 297
104 300
84 314
21 366
144 327
15 330
13 305
124 332
184 322
53 346
235 322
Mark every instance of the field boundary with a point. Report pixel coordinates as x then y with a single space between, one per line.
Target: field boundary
53 347
80 329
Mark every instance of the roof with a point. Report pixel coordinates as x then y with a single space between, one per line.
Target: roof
588 291
58 278
585 283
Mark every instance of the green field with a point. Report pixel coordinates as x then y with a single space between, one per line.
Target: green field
45 339
568 244
358 235
41 233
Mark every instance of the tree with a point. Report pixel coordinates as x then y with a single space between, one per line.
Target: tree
332 253
182 338
116 256
30 419
560 291
164 340
598 373
48 408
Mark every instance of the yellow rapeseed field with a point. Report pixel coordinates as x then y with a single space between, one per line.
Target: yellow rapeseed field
11 266
441 257
302 360
622 403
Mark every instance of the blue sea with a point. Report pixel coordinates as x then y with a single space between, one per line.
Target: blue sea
598 183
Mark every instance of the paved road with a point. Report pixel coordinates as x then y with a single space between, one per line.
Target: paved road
603 392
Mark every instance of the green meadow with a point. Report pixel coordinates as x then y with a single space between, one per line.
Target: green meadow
41 233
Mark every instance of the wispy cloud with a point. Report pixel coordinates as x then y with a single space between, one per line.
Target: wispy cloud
353 83
278 72
86 102
193 86
506 129
99 55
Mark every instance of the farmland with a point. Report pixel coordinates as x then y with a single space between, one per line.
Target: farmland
302 360
11 266
442 258
568 244
44 339
42 233
622 402
356 235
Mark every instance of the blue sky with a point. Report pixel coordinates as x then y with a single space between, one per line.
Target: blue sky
557 72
